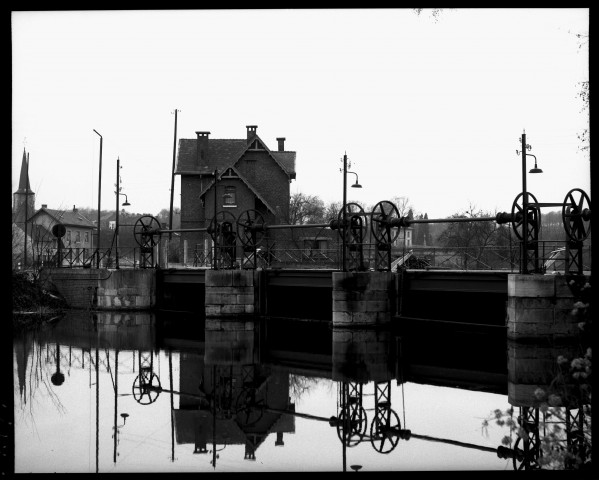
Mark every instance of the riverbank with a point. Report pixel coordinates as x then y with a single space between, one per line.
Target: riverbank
32 303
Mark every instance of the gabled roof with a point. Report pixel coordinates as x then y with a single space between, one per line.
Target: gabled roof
224 153
244 180
66 217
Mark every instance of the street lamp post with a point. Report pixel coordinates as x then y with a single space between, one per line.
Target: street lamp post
344 226
99 199
125 204
524 254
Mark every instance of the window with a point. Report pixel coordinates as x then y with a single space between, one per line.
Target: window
229 197
68 237
86 237
77 236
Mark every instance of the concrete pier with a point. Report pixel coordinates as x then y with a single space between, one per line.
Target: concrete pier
362 299
540 306
231 293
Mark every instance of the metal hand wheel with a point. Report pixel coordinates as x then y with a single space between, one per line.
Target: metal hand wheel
534 214
380 220
576 214
146 231
250 228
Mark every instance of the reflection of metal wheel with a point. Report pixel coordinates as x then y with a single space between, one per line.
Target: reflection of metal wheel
146 388
250 228
384 431
534 214
381 216
576 214
249 411
351 426
146 231
526 458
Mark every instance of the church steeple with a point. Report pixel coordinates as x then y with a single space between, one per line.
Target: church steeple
24 186
24 195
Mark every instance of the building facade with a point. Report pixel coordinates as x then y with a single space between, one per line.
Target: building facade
224 178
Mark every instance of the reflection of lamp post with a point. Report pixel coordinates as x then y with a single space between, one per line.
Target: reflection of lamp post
58 377
524 255
344 226
126 204
99 198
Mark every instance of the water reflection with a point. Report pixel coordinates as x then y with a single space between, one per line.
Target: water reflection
127 393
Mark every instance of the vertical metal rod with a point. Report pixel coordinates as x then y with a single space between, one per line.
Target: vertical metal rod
99 201
170 222
116 396
215 221
97 406
116 231
170 374
524 254
344 213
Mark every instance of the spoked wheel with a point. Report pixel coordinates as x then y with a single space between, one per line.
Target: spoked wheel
146 388
534 214
384 431
351 209
146 231
352 425
249 411
222 224
382 213
576 214
525 457
250 228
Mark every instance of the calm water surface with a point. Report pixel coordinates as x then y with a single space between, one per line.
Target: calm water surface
140 392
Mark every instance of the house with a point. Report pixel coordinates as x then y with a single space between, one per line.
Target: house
226 177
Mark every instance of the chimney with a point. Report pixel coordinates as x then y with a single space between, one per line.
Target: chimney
44 205
202 147
251 129
281 141
74 209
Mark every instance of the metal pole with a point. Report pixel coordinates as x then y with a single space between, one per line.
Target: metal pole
116 396
344 212
170 223
524 254
99 200
215 222
116 231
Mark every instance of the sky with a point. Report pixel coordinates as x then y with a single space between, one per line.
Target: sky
428 108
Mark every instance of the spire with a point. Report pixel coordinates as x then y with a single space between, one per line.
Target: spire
24 186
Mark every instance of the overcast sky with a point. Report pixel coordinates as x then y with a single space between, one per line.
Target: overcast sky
426 107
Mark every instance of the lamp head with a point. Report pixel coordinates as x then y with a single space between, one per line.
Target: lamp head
126 204
535 170
356 185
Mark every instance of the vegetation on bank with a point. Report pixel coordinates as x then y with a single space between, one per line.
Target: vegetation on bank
32 303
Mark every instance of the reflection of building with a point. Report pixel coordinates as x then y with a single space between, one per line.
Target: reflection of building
234 402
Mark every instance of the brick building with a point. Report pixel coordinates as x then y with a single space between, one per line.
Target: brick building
249 176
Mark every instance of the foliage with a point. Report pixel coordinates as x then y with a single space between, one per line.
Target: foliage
31 302
571 387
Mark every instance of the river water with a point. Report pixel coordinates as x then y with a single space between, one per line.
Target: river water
170 392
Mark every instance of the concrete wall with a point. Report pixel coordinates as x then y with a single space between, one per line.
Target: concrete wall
230 293
103 289
362 299
540 306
